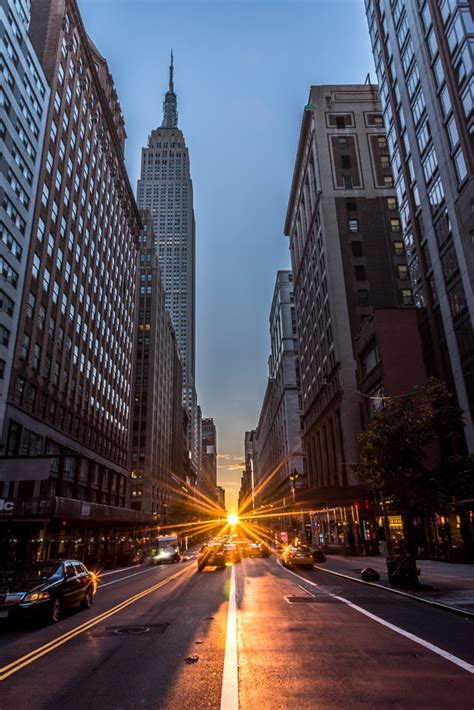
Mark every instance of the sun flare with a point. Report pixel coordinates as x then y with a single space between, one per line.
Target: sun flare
232 519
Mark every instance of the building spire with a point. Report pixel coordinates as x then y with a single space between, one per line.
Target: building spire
170 110
171 74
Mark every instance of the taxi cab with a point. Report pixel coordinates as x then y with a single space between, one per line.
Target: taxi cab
298 556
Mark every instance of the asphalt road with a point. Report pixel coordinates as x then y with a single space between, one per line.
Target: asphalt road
252 636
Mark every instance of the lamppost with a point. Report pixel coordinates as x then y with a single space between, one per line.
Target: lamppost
294 475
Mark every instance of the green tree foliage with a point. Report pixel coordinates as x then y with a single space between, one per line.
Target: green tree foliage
400 454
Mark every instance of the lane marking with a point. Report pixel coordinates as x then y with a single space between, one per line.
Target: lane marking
416 639
136 574
52 645
431 602
114 571
230 678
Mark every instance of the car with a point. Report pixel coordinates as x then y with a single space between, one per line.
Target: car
45 589
211 554
256 550
166 555
244 547
232 552
259 549
299 556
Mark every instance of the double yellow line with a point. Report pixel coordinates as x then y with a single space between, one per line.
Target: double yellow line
33 656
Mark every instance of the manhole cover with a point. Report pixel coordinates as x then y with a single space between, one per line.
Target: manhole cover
114 631
130 630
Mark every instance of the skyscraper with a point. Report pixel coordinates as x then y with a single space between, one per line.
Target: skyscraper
347 261
423 58
276 446
209 458
165 188
23 108
67 413
156 462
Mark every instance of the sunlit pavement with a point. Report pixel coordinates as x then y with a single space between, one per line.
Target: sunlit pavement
252 635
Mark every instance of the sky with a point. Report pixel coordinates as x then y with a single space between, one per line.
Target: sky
243 69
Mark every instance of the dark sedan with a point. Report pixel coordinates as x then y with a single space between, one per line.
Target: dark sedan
211 554
232 552
259 549
44 589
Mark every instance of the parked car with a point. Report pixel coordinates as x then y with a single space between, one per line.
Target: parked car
44 589
211 554
299 556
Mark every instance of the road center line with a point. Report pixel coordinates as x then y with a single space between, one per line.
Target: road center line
52 645
230 678
121 579
416 639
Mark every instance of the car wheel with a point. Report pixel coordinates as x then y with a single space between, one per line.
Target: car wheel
88 600
55 610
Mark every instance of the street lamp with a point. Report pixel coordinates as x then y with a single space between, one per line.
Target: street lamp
294 475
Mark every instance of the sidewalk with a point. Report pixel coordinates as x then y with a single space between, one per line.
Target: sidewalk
451 584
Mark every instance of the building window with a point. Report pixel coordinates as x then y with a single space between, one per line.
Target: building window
407 297
363 297
345 162
353 225
6 303
399 248
457 300
4 336
19 386
359 272
402 271
348 182
356 248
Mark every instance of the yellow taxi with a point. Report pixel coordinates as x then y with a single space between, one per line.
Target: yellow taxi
297 556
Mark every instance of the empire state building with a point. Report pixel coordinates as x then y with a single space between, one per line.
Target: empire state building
165 188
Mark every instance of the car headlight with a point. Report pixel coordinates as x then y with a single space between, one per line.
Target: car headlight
36 597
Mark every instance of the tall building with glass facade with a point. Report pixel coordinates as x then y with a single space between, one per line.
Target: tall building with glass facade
24 97
423 56
165 188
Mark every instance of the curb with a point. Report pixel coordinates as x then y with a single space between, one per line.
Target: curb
439 605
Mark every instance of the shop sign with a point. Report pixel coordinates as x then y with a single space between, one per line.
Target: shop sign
7 506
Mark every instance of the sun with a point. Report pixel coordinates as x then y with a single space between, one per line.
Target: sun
232 519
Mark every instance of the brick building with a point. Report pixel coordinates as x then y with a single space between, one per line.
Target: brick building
67 415
348 260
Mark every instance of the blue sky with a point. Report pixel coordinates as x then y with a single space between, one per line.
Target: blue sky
243 69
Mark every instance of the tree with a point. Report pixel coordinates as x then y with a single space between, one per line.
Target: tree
400 456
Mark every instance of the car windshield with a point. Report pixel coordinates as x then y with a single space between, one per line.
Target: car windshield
39 572
168 550
303 549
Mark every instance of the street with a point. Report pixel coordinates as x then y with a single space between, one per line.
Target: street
253 635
